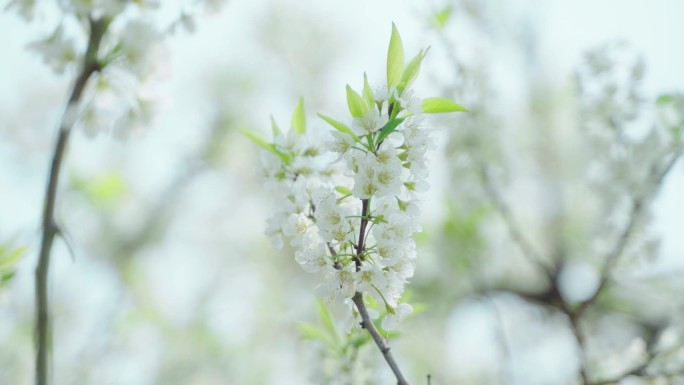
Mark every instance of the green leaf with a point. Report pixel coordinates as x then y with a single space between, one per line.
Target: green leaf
8 259
274 128
395 58
258 139
357 107
298 117
343 190
327 320
4 277
367 92
439 105
389 128
664 99
261 142
313 332
412 69
12 257
108 187
341 127
442 17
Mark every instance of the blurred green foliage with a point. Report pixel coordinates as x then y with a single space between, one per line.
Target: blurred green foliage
9 257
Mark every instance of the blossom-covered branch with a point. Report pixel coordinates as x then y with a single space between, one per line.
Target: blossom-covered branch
350 212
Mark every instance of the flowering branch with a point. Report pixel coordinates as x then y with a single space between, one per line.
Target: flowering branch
89 67
381 162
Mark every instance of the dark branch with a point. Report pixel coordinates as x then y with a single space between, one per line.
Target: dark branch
50 229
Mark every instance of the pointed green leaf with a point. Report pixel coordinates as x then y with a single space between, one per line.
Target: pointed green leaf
357 107
327 319
12 257
367 92
4 277
274 128
298 117
395 58
442 17
343 190
341 127
261 142
389 128
412 69
258 139
439 105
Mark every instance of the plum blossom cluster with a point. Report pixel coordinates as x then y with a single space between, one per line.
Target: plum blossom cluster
130 57
349 206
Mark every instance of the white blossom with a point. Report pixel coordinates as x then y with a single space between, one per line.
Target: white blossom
322 221
370 123
57 50
400 312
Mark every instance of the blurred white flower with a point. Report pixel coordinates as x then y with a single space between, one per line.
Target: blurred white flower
140 46
57 51
370 123
25 8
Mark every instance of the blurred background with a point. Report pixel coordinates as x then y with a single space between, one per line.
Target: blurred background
551 250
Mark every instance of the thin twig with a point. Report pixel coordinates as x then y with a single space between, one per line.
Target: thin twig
511 224
367 324
50 229
638 205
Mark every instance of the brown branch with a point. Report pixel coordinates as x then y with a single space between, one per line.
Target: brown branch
367 324
50 229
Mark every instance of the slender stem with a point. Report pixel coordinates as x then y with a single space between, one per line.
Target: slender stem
366 322
362 231
384 349
50 229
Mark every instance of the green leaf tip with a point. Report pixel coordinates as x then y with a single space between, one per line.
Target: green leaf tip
341 127
441 105
442 17
367 94
274 128
412 69
258 139
395 58
299 118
